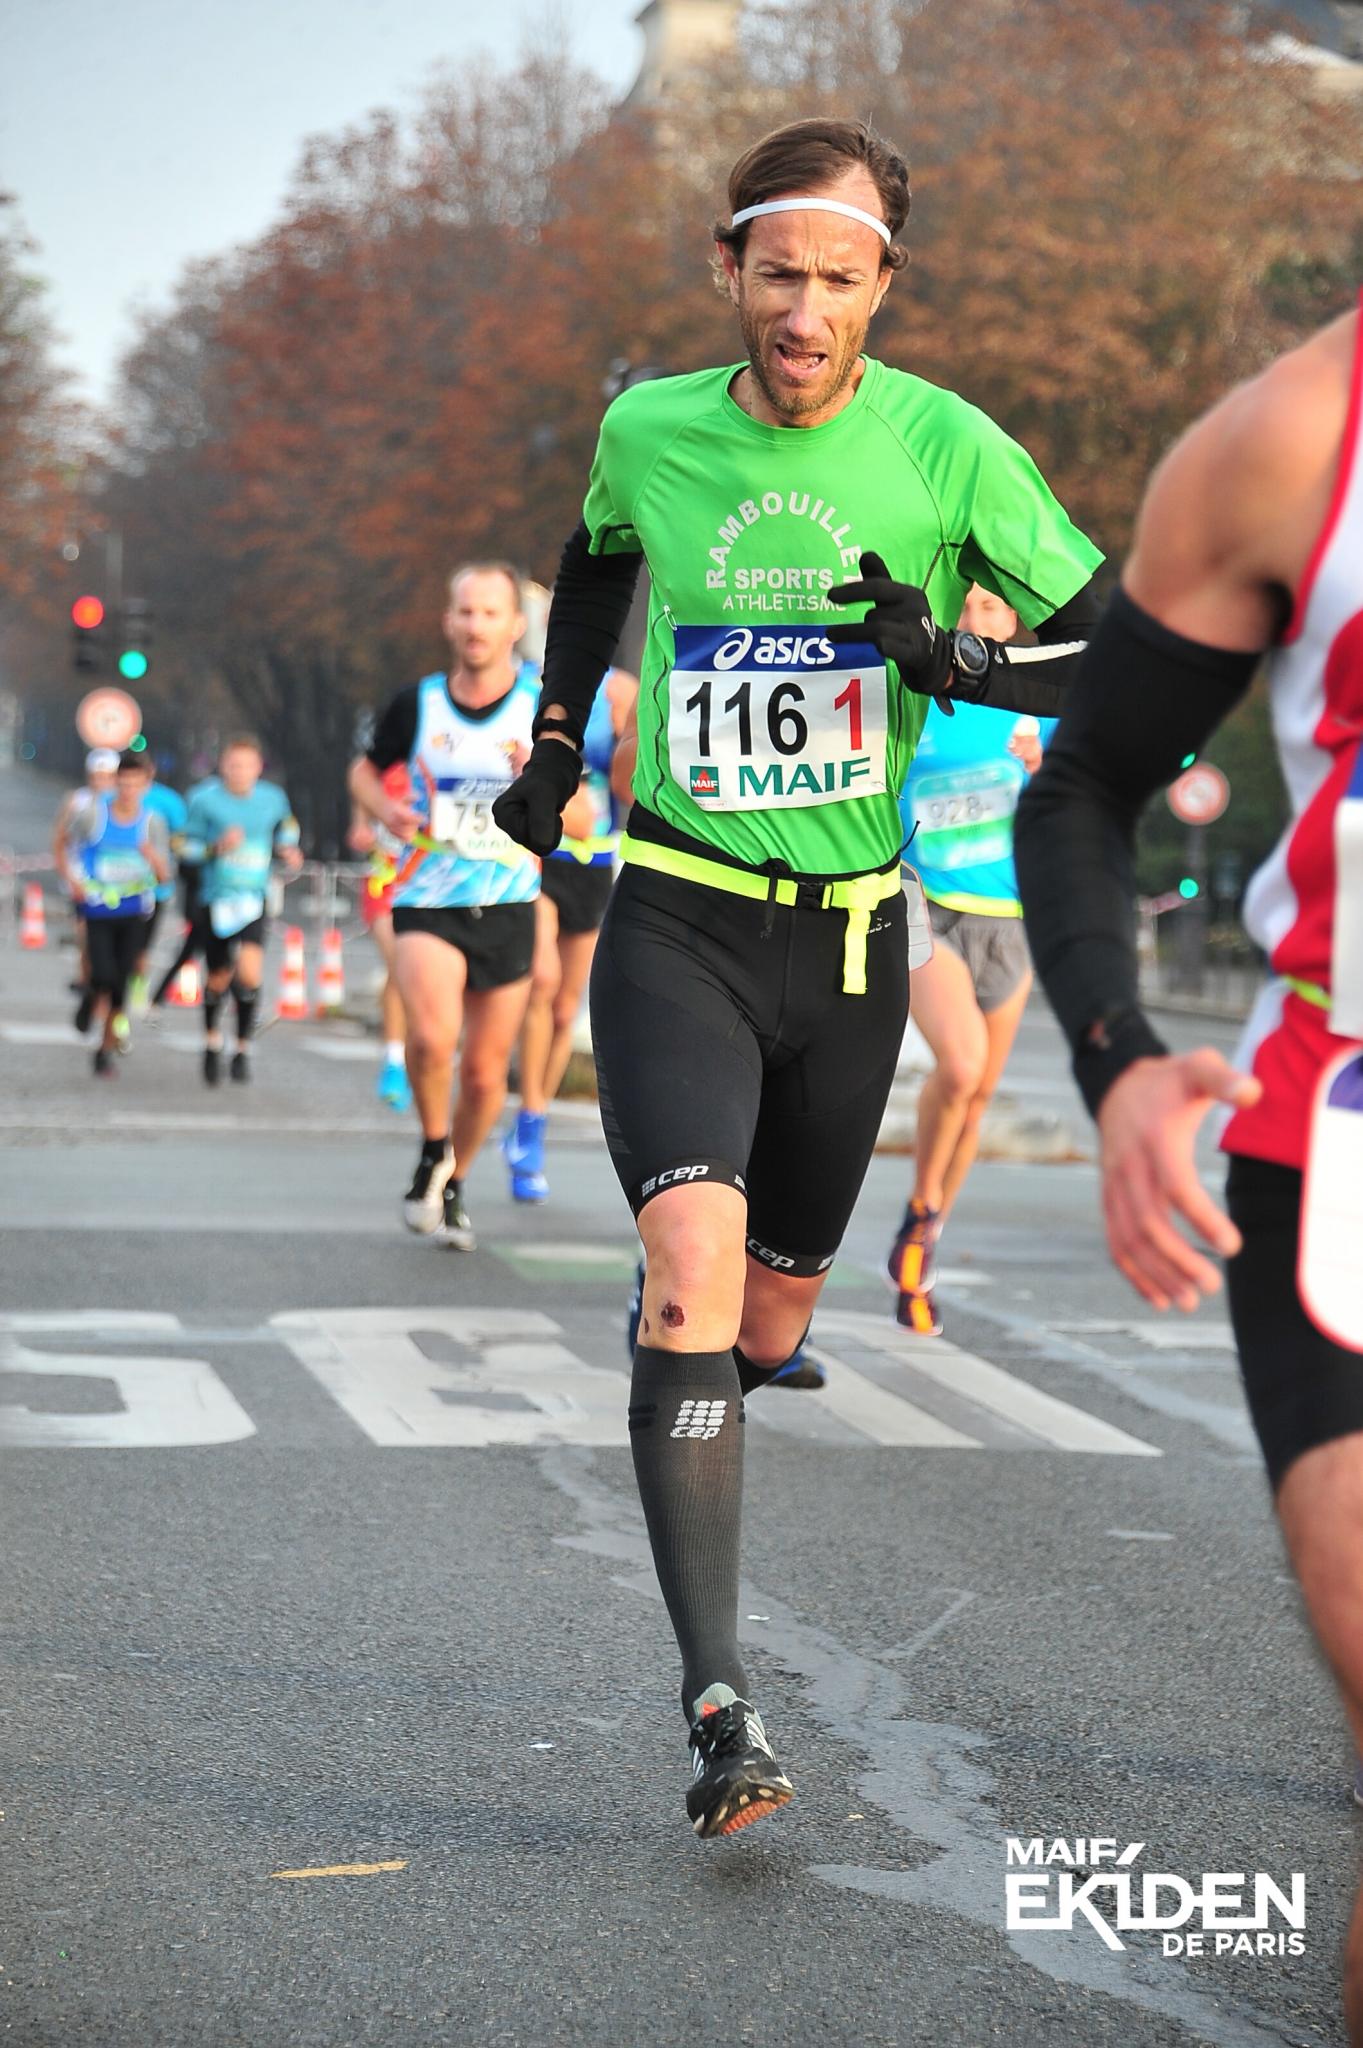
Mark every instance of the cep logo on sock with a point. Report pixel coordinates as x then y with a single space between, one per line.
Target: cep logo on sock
702 1419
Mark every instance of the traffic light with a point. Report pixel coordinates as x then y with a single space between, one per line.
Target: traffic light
87 631
134 639
1189 887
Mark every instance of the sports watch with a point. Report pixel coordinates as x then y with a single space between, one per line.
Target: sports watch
970 655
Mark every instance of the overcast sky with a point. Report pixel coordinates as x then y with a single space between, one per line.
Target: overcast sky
136 134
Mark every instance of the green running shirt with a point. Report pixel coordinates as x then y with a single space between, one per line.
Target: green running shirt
756 734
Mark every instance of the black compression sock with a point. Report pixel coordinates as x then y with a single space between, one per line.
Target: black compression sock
212 1010
686 1434
434 1149
247 999
751 1377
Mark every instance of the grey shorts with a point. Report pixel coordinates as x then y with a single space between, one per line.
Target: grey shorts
993 948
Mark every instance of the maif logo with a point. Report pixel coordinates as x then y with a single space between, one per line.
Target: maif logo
704 780
1222 1913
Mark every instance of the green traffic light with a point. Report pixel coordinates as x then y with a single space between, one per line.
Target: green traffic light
137 744
133 665
1188 888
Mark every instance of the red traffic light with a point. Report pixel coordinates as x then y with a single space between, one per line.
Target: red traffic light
88 612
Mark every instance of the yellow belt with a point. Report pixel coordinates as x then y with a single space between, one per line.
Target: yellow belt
858 895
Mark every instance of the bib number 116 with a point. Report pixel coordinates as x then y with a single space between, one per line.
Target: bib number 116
787 728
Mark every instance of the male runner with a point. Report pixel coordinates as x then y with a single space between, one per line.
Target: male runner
101 768
750 987
957 807
464 895
575 886
119 852
171 806
236 826
1250 539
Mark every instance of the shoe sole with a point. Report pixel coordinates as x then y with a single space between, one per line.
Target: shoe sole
741 1806
458 1241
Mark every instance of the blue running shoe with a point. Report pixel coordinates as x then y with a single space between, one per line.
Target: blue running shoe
635 1312
393 1087
523 1151
801 1371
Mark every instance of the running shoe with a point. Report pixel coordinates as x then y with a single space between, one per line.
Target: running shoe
634 1314
802 1371
458 1231
523 1151
212 1065
85 1010
911 1266
123 1034
736 1778
393 1087
240 1068
104 1064
423 1207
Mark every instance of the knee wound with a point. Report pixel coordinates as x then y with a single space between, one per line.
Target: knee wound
682 1173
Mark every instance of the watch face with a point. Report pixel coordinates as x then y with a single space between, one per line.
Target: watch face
971 654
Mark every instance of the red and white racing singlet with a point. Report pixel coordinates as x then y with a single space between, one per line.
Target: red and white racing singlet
1316 700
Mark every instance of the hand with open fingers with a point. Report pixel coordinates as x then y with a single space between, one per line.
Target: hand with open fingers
900 624
1148 1123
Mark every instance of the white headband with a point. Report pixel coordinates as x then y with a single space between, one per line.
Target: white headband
813 206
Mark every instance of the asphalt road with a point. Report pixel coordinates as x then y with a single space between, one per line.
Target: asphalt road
322 1556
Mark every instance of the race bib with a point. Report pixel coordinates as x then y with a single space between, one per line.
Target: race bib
1329 1269
964 816
127 874
231 914
760 720
462 821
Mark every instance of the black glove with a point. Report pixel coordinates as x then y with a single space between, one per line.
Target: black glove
530 812
900 624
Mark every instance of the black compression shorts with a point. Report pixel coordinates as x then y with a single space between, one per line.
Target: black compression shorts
222 952
115 943
579 891
497 941
726 1051
1303 1389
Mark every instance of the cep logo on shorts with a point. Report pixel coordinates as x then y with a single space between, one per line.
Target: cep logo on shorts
702 1419
673 1176
764 1252
704 781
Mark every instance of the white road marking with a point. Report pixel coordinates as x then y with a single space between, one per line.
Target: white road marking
1140 1535
165 1402
42 1034
573 1252
367 1050
1198 1333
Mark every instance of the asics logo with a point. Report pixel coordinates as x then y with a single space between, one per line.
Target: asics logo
702 1419
774 650
734 648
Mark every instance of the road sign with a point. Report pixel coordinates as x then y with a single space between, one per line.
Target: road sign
108 718
1200 794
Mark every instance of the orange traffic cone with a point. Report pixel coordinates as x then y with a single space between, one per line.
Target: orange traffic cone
293 979
184 990
331 975
33 922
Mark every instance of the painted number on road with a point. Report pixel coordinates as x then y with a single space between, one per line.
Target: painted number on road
456 1377
154 1402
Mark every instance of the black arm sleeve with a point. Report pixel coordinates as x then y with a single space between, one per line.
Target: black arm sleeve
1036 679
592 597
1146 698
395 733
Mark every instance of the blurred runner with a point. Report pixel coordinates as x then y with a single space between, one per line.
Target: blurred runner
376 910
464 894
575 886
194 935
170 806
119 851
237 824
751 983
957 808
1250 541
101 768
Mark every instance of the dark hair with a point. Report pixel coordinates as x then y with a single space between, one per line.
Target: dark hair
243 739
809 156
512 575
129 759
